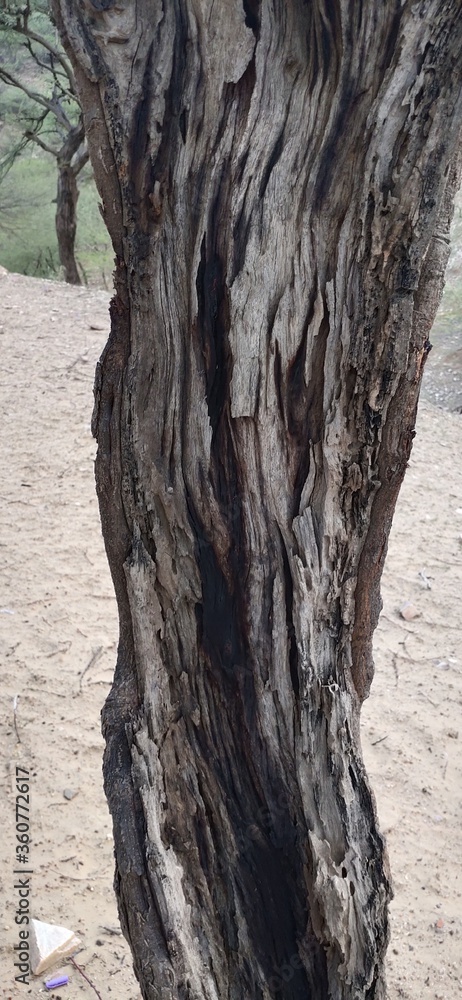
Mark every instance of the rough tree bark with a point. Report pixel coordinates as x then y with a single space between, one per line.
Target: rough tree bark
277 179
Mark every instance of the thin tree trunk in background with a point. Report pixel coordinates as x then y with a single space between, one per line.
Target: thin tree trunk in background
277 180
71 158
66 222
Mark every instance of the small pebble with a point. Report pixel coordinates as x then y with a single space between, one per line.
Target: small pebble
408 611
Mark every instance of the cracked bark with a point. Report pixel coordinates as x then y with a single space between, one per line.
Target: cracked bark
277 180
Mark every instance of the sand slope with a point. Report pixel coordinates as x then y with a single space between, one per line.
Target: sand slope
58 632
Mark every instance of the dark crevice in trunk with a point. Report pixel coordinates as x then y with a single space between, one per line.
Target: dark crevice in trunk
241 232
277 370
323 36
217 617
150 180
390 47
245 88
267 878
336 145
213 326
141 179
291 637
252 15
274 157
305 402
268 873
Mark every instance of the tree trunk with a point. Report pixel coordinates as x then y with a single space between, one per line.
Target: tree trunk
277 181
71 158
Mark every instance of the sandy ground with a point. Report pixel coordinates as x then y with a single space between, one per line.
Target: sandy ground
58 633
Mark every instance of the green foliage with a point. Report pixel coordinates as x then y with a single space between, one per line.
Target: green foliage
27 231
39 19
38 101
38 110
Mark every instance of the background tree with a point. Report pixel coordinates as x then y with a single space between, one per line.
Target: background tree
277 181
52 117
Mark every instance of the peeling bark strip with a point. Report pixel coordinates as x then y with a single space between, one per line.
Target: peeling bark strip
273 177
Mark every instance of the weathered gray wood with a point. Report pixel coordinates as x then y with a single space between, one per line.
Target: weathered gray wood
273 176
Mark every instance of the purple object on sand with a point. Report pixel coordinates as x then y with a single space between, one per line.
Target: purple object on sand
59 981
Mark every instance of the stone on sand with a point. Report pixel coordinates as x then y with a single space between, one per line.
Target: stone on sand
50 943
